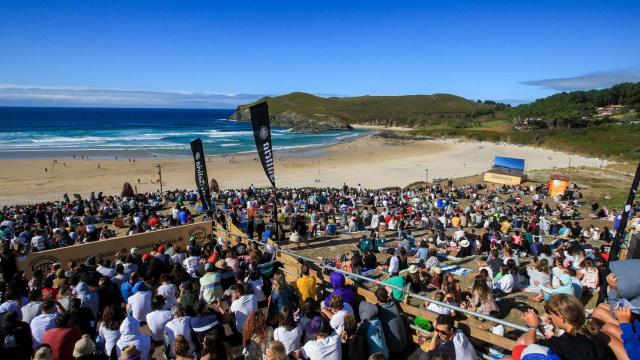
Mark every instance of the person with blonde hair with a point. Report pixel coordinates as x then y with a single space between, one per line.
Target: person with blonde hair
566 313
276 351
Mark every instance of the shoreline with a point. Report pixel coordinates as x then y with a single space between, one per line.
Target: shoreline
370 161
148 154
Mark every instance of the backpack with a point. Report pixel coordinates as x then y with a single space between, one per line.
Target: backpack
375 337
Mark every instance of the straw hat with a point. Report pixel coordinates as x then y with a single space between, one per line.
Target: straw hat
436 270
84 347
413 269
464 243
130 352
44 353
221 264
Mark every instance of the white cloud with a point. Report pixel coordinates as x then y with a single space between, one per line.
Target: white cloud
595 80
45 95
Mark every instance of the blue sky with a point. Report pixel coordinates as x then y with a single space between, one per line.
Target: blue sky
158 53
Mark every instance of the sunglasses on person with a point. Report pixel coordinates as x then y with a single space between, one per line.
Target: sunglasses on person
443 332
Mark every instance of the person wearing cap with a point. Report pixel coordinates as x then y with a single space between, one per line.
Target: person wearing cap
130 352
326 346
139 304
85 349
465 248
370 327
398 282
130 287
210 282
414 279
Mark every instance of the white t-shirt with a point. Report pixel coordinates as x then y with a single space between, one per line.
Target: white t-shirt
38 242
242 308
179 326
192 263
506 284
439 309
39 325
394 265
168 292
290 339
157 320
140 304
11 305
329 348
108 272
337 320
108 338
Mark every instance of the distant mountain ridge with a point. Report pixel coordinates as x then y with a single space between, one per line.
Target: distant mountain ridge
308 113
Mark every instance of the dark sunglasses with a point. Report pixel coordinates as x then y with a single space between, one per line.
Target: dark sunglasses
443 332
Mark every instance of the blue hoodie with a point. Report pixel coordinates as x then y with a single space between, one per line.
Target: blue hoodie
339 288
631 338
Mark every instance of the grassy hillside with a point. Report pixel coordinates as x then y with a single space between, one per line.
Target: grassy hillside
410 110
612 141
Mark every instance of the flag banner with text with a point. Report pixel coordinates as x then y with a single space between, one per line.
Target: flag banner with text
262 135
202 181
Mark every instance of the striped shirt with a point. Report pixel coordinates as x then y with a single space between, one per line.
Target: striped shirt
210 288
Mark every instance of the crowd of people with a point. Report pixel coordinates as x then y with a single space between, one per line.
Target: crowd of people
223 300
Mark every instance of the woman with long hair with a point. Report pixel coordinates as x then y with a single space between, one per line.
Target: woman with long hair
212 346
109 330
255 336
589 275
481 299
539 275
289 333
282 294
566 312
450 286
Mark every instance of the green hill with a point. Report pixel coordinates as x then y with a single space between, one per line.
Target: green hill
306 112
576 105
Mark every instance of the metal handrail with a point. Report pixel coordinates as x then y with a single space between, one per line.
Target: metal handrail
413 295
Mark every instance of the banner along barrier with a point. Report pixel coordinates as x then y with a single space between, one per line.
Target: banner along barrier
145 242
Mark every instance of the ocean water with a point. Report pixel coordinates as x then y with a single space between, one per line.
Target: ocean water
106 132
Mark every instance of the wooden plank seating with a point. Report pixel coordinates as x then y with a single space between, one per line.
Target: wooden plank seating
468 325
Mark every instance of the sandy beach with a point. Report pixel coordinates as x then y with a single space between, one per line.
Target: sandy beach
369 161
